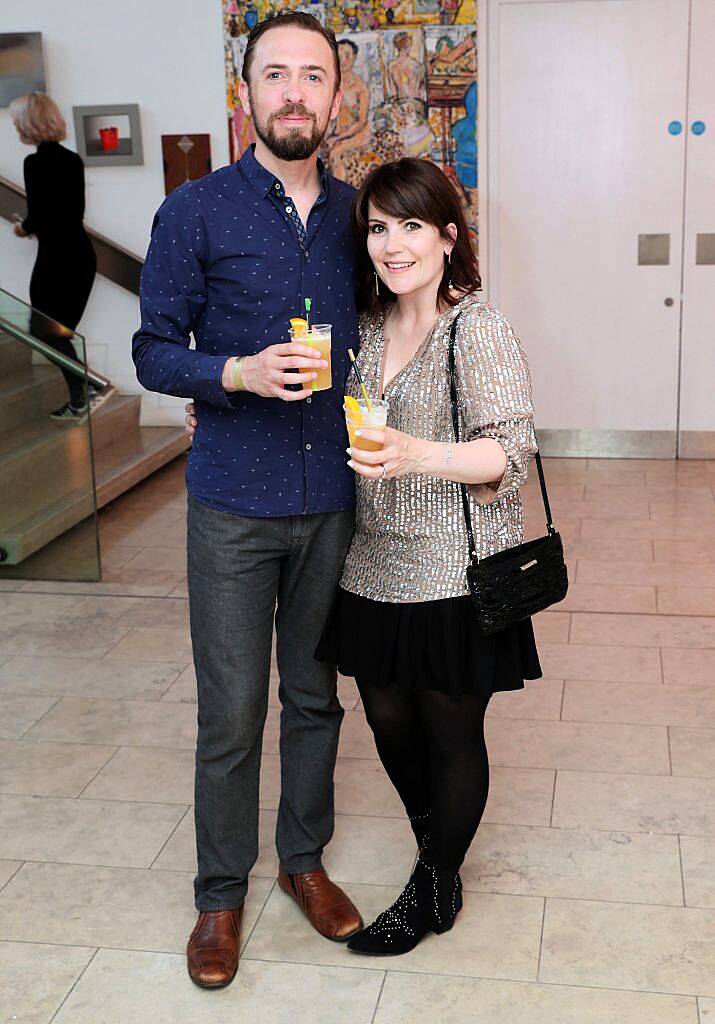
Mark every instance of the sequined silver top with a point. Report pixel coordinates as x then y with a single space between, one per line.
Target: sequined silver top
410 541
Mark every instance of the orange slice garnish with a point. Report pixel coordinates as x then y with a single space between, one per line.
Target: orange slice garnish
352 406
299 325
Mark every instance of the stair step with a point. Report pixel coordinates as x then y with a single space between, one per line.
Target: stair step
116 417
118 467
13 355
124 464
40 447
30 393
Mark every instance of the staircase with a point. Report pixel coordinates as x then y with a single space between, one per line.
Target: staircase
45 466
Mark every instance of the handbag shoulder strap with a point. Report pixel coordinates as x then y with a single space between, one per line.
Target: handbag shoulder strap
455 423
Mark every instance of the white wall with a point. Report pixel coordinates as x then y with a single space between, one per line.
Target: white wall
580 163
168 58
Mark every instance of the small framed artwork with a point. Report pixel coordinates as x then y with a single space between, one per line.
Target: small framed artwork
186 158
109 135
21 66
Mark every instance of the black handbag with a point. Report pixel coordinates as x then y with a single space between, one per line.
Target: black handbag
518 582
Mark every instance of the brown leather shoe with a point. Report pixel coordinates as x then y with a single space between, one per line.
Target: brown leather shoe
213 948
325 905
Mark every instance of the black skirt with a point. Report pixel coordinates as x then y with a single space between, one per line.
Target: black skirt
436 645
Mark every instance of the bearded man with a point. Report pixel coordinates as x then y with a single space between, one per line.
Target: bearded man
232 258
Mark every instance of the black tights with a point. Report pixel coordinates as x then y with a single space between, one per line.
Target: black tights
434 752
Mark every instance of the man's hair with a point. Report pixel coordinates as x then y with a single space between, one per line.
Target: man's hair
290 19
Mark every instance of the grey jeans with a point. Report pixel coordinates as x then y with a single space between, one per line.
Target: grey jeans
243 572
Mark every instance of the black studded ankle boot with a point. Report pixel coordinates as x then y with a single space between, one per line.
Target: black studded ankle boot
429 903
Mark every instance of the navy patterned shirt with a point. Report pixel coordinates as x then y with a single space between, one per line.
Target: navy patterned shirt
230 262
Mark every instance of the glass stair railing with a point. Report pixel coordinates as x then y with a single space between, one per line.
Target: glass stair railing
48 501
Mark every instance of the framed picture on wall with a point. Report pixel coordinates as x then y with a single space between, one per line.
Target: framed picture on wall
109 135
21 66
186 158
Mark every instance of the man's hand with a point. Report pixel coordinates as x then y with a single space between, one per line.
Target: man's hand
266 373
190 419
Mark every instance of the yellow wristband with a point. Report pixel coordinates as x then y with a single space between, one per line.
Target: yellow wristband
236 375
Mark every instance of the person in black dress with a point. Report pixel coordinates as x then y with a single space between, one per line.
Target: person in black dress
402 622
65 267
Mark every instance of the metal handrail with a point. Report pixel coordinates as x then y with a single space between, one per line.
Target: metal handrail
113 261
50 353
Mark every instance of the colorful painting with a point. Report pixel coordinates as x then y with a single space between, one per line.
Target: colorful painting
409 72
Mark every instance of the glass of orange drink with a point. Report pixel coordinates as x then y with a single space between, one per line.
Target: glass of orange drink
318 337
358 415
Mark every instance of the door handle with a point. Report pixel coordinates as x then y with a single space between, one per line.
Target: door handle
653 250
705 250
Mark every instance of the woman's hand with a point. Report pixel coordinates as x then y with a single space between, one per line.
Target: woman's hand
191 421
402 454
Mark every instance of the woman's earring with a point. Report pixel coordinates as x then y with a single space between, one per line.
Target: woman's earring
377 285
449 264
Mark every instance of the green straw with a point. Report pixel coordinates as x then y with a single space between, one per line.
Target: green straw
360 381
307 313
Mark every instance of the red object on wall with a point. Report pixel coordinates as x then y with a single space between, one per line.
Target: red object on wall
109 137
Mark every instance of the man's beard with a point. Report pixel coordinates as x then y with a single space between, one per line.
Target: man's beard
294 145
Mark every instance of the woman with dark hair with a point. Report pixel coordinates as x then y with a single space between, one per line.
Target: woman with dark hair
402 622
65 267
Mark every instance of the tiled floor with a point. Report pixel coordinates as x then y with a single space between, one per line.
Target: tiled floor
590 890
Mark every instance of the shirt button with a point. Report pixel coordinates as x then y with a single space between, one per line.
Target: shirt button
289 209
308 447
277 186
308 401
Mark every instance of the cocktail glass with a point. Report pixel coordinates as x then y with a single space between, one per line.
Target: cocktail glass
371 419
318 337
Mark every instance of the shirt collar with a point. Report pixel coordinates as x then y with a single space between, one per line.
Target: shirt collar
263 180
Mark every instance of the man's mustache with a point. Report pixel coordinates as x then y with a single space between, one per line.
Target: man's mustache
292 112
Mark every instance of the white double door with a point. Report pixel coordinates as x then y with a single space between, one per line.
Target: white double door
591 147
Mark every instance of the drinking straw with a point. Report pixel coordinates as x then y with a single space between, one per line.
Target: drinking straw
307 313
360 381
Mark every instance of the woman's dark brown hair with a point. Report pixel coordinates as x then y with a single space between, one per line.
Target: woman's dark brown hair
411 188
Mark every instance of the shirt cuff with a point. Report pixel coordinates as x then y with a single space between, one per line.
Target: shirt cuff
210 386
514 475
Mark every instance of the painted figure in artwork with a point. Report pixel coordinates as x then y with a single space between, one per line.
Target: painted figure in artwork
406 75
464 133
352 129
448 53
448 11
